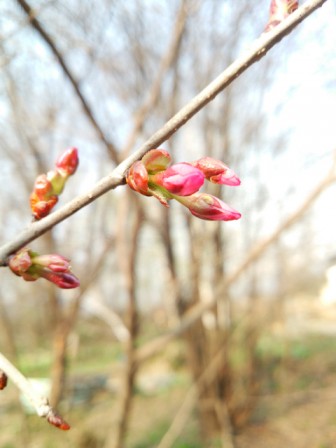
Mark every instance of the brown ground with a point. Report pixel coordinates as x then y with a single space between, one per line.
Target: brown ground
300 420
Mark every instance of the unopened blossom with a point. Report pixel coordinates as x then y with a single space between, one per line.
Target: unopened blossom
280 10
182 179
49 186
208 207
152 176
54 267
216 171
43 198
68 161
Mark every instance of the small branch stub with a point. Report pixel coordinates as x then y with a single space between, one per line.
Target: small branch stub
40 403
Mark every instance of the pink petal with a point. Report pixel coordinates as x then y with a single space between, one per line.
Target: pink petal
181 179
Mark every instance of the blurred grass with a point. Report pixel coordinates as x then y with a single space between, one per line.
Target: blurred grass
286 365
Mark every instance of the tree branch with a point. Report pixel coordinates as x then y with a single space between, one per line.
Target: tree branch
40 403
259 49
154 94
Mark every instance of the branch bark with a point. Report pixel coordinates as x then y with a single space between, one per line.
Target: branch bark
258 50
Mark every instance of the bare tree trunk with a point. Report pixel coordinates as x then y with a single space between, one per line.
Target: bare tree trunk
127 256
8 332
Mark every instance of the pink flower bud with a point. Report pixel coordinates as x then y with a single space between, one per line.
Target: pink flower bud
53 267
182 179
216 171
68 162
279 10
64 280
208 207
137 178
156 160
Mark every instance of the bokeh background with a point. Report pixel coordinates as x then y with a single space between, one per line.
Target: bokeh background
258 369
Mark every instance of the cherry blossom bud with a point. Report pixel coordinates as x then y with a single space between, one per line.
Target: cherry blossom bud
64 280
156 160
279 10
137 178
55 262
152 176
208 207
181 179
32 266
68 162
216 171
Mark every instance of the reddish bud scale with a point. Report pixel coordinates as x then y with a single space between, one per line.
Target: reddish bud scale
280 10
58 422
3 380
137 178
156 160
68 162
42 208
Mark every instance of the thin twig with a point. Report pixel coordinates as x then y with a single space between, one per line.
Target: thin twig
183 413
154 94
40 403
260 47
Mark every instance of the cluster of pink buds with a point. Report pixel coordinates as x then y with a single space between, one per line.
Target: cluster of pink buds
32 266
49 186
153 176
279 10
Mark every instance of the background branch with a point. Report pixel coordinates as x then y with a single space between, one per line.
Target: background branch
36 24
196 312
